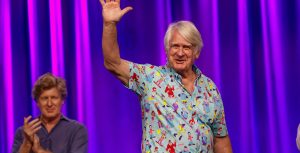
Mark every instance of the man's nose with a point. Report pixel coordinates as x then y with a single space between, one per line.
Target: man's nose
180 51
49 102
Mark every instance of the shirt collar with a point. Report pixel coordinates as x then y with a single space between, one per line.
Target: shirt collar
62 117
178 76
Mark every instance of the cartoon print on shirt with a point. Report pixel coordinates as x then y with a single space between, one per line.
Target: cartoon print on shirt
162 138
135 77
151 132
184 113
170 91
150 77
183 97
175 106
190 138
169 112
148 147
171 146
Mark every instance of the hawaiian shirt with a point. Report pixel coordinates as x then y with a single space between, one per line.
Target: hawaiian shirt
173 119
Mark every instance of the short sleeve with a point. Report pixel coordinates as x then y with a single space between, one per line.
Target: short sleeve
219 124
138 76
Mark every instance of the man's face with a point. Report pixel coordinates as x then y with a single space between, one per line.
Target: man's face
181 54
50 104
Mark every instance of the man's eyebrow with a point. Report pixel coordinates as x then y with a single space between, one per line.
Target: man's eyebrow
172 43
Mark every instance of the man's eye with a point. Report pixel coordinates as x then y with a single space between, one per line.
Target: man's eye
55 97
187 47
175 46
44 98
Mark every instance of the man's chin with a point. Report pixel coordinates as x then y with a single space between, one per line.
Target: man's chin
179 66
50 115
179 70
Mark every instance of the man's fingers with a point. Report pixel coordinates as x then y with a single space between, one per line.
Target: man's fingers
33 122
36 124
127 9
102 2
26 119
36 129
31 131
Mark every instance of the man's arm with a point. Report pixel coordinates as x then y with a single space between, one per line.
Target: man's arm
25 147
112 14
37 148
29 130
222 145
20 144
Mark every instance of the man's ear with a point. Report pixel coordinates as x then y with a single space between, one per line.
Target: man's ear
37 103
197 54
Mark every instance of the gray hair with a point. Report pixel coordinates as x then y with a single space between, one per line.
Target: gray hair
187 30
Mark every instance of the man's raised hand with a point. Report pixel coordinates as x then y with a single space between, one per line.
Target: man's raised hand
112 12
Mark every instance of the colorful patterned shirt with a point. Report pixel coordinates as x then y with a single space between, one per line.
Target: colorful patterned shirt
173 119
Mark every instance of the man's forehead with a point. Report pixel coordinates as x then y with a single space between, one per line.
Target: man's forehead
180 43
50 91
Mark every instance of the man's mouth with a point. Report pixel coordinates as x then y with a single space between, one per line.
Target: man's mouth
50 110
180 61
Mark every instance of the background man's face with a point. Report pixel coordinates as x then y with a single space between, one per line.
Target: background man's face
50 103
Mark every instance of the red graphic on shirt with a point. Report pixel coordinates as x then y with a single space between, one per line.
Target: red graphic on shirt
135 77
171 147
158 111
170 91
192 121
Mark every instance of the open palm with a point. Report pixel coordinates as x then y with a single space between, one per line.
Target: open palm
112 12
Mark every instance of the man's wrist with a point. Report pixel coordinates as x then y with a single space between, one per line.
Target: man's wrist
27 143
25 147
42 151
111 23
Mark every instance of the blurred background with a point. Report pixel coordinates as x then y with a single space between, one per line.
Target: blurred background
251 51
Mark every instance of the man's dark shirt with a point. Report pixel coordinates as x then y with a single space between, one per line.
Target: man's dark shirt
68 136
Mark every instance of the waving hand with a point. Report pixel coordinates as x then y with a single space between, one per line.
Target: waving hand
111 11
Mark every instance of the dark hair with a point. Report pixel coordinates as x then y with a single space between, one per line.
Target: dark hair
46 82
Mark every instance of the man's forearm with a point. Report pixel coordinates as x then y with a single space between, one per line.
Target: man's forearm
25 147
222 145
39 149
110 45
43 151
